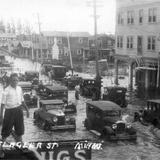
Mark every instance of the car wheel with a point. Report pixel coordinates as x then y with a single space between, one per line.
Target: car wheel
75 108
36 116
88 124
45 125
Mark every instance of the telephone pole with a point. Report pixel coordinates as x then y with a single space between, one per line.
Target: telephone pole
98 77
95 36
39 26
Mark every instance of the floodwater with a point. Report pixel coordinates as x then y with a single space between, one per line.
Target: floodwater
146 147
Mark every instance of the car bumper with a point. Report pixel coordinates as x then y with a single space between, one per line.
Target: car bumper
123 137
64 127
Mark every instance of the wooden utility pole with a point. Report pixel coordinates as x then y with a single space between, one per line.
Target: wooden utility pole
39 26
70 54
158 70
95 37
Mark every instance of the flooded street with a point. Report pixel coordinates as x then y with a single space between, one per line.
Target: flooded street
146 147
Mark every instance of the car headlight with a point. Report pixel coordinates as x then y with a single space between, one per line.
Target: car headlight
128 126
67 119
114 126
55 119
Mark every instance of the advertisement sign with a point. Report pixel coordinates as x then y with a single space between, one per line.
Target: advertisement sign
48 150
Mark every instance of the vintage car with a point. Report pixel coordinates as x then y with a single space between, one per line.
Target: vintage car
51 116
56 72
149 114
71 81
104 117
29 98
88 88
115 94
57 92
31 75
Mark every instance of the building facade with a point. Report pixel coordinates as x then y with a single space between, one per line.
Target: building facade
138 40
105 45
76 42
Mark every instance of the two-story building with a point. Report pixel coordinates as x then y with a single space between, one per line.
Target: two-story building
105 45
76 42
138 40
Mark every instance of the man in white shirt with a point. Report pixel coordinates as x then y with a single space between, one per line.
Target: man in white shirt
13 101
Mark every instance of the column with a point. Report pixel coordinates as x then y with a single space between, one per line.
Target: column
37 54
116 71
146 79
131 76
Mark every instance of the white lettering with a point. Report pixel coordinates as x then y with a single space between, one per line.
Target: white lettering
78 156
39 145
61 154
51 155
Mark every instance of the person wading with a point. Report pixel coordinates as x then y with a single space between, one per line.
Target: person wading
12 101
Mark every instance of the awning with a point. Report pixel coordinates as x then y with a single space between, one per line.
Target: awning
146 68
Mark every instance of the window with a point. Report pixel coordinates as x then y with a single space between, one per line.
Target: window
80 40
130 17
120 18
119 42
59 40
130 42
152 43
141 16
78 51
152 16
61 51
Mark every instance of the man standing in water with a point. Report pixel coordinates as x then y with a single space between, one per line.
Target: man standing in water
13 101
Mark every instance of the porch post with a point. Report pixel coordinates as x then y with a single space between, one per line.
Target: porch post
131 76
146 79
116 72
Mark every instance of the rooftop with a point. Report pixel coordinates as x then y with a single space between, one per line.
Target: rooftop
56 101
65 34
104 105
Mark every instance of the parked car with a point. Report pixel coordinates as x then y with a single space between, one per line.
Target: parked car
71 81
104 117
57 92
56 72
88 88
51 116
29 98
115 94
150 114
30 75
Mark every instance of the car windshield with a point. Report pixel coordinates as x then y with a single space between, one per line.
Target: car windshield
54 106
112 113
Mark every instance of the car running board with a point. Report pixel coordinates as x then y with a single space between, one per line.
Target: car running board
95 132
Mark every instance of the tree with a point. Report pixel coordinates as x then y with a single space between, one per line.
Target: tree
2 27
13 27
8 28
19 28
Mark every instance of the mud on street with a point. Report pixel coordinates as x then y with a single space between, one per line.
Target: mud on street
146 147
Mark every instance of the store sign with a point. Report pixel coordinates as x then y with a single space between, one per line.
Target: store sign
49 150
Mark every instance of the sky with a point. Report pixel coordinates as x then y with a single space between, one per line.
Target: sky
60 15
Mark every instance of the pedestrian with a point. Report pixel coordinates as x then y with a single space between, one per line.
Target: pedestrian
13 101
77 88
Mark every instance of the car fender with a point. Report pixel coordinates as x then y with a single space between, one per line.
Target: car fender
137 116
107 130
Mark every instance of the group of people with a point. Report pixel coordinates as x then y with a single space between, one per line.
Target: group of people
13 103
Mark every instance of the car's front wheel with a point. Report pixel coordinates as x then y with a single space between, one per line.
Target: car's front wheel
88 124
45 125
36 117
